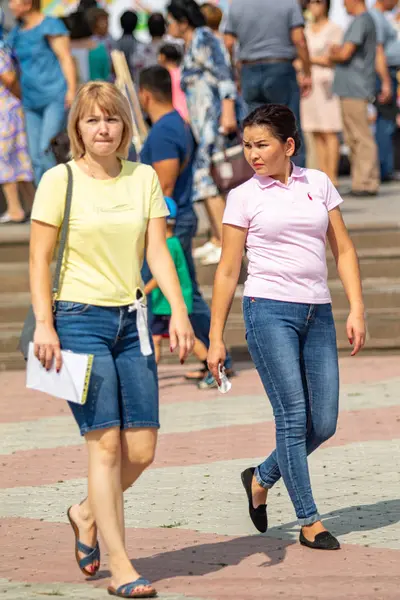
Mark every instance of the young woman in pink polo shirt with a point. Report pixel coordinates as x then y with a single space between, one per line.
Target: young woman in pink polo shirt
282 217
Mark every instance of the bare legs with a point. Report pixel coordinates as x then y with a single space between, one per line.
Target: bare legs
27 192
327 151
199 349
157 340
12 192
116 460
14 207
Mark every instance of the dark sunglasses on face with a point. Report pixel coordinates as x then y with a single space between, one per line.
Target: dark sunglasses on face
316 2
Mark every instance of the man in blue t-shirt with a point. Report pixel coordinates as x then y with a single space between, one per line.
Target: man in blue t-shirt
170 146
170 149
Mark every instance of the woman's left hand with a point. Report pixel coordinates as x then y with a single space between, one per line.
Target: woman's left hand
356 331
181 334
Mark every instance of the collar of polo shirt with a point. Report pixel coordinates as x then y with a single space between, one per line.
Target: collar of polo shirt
265 181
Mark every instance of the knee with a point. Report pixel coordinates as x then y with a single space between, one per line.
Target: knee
145 457
324 431
106 448
291 423
141 458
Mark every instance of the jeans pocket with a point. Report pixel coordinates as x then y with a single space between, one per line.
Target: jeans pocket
70 308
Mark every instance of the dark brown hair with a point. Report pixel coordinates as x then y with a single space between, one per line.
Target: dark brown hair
187 10
157 80
95 14
280 121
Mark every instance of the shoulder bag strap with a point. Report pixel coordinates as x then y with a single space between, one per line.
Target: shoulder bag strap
64 232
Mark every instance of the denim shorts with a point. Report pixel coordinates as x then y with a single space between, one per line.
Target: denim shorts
123 389
160 325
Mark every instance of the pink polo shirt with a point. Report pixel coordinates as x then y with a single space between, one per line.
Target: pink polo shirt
286 238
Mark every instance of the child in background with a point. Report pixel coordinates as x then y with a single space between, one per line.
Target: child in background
170 57
159 305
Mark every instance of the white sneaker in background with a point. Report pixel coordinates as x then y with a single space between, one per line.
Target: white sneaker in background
213 257
202 251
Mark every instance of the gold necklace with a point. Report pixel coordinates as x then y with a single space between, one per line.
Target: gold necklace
89 168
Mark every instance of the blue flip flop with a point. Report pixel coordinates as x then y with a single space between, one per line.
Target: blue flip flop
91 554
130 590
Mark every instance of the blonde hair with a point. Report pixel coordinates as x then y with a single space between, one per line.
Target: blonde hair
108 98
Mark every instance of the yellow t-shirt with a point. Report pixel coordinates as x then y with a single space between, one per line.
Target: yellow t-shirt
106 237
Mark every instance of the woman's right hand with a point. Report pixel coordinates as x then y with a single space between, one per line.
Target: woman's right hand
216 358
47 346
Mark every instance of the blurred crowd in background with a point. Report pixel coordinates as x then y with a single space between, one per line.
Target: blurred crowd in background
341 85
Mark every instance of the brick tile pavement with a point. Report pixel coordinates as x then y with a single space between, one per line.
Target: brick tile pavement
193 536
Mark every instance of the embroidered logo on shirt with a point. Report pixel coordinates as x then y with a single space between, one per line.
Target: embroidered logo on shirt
309 196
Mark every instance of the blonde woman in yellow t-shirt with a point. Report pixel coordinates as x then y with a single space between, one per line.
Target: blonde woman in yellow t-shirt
117 212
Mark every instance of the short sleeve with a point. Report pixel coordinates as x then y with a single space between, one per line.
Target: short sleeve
296 16
211 54
158 207
380 34
54 27
164 146
49 203
235 211
230 23
12 37
6 65
356 32
332 196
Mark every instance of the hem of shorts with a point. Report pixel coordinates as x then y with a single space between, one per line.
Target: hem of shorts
130 425
327 300
309 520
107 425
141 424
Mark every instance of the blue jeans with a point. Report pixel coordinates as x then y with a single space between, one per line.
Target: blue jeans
293 347
385 128
185 231
41 126
123 388
273 83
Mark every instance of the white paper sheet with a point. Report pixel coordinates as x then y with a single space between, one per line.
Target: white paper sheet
69 384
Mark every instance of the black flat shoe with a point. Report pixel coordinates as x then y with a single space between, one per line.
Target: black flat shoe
257 515
323 541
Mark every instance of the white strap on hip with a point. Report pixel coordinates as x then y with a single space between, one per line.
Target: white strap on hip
142 326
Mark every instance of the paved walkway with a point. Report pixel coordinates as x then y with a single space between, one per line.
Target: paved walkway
383 209
188 528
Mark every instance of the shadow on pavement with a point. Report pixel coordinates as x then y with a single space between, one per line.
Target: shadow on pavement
353 519
210 558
